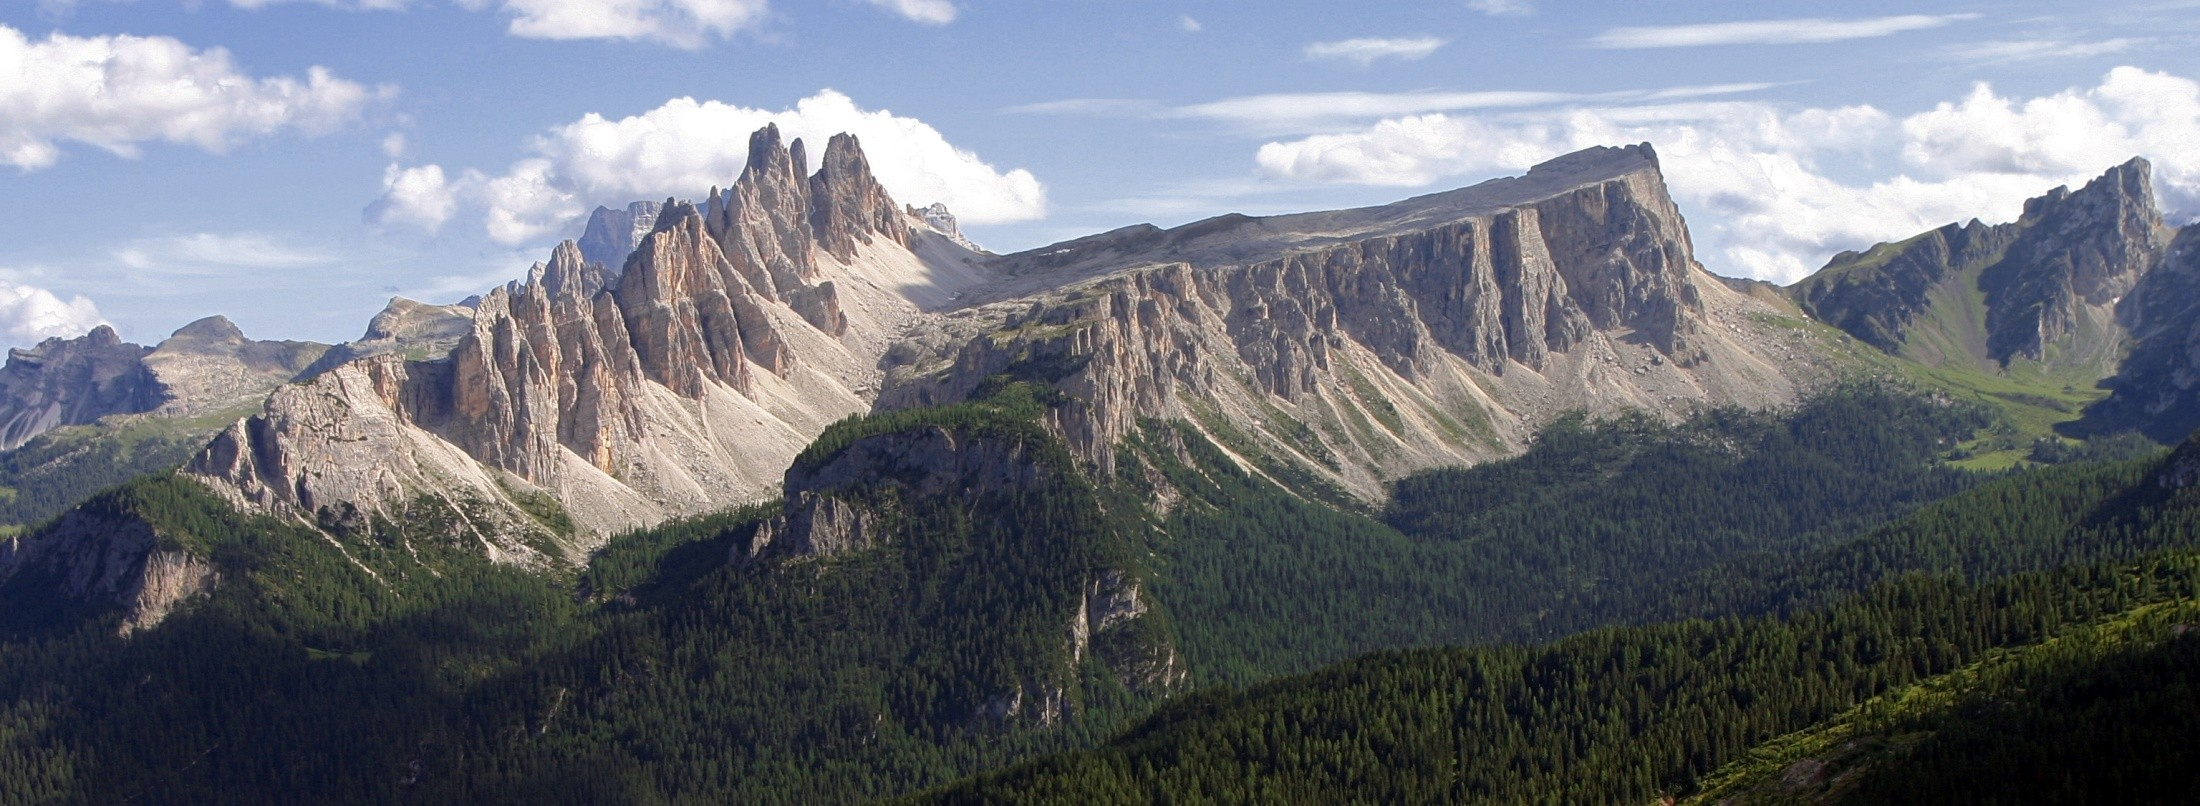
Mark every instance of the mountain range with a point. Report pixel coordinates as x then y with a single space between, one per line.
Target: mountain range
961 509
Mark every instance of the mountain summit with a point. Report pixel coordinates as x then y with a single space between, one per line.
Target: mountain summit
1349 347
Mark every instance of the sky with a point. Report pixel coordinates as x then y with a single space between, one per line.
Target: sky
293 164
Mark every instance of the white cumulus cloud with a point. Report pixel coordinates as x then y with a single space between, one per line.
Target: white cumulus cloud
685 147
29 314
118 92
1769 32
1365 51
1759 181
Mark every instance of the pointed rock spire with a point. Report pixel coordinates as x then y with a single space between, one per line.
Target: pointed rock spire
847 204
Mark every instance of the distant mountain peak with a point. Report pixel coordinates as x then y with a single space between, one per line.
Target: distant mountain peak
2048 283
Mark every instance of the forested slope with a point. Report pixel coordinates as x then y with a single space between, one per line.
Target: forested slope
1629 714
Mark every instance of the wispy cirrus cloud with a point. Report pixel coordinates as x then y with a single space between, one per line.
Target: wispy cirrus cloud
1502 8
2004 51
1292 113
1769 32
1368 50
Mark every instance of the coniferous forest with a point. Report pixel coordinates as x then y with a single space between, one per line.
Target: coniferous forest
1629 610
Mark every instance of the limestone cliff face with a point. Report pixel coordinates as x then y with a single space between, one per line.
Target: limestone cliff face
850 207
1348 347
1362 345
2078 255
107 560
70 382
205 366
611 235
2047 286
683 382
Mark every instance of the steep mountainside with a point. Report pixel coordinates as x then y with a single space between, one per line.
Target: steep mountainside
583 400
2157 389
2042 294
1332 349
1349 348
73 381
86 413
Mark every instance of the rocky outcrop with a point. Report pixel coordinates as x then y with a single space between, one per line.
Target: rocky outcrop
1360 345
937 219
102 559
2078 255
2156 390
682 382
71 382
1346 347
819 520
611 235
415 330
2044 289
849 206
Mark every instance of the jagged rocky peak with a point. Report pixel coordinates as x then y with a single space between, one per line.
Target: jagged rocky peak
611 235
680 383
2051 280
2078 253
848 206
763 221
938 219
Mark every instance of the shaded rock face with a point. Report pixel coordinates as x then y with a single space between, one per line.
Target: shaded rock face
681 383
2157 388
2078 255
849 501
611 235
205 366
1430 332
71 382
820 521
102 560
2050 282
1874 295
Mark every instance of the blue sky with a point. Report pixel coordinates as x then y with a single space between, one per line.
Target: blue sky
293 163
